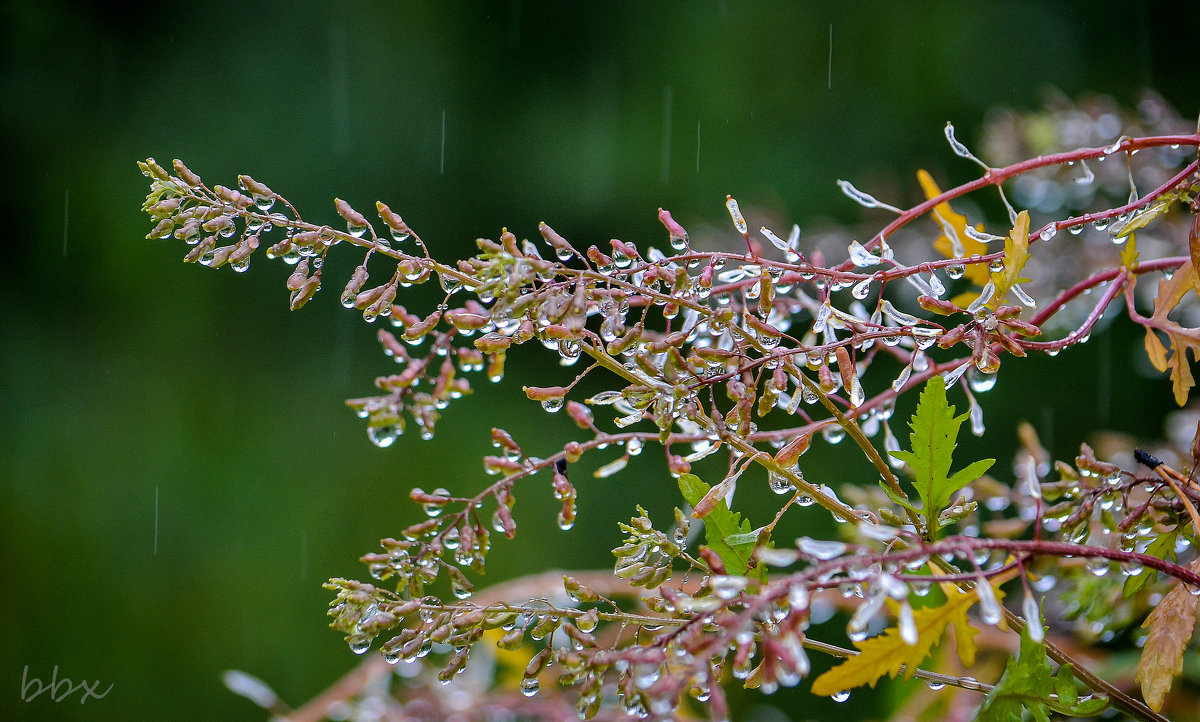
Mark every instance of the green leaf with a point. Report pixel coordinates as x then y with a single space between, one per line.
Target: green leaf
725 531
933 438
1162 547
1016 254
1028 683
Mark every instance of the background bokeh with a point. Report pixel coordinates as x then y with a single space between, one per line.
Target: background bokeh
178 474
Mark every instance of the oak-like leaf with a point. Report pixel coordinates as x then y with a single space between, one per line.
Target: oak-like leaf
1170 625
1170 292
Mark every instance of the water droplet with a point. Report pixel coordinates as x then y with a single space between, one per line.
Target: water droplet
936 285
1100 224
529 686
553 404
861 257
907 624
1097 566
996 265
934 685
862 289
980 382
383 436
736 214
727 587
1048 233
780 484
863 199
840 696
1131 569
359 643
956 271
990 610
823 549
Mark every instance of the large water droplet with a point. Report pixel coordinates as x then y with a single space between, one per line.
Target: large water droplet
861 257
529 686
383 436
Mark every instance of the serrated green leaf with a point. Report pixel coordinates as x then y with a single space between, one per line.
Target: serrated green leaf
934 435
1028 683
1016 254
724 530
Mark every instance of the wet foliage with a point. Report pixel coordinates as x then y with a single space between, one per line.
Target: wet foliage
750 353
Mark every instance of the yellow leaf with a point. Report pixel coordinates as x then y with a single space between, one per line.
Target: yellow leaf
1181 371
1016 253
976 273
886 653
1170 626
1156 351
1129 254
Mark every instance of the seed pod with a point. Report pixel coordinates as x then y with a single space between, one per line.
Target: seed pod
952 336
509 242
825 379
793 450
493 343
845 367
185 174
676 230
152 169
231 196
419 330
393 221
557 242
163 229
349 214
1010 344
307 291
1022 327
299 277
937 305
537 393
630 337
255 187
599 258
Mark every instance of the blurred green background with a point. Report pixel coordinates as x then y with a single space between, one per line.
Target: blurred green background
178 474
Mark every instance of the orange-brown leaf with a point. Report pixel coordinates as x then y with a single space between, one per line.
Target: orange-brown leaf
1170 292
1170 626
